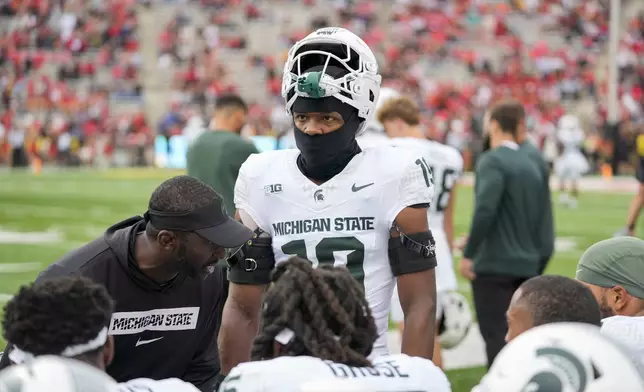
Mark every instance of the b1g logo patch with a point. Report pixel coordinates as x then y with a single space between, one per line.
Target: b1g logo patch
273 189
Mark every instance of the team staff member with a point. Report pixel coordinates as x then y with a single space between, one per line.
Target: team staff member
503 248
546 238
216 155
160 271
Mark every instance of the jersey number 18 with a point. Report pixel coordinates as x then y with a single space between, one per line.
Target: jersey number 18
325 249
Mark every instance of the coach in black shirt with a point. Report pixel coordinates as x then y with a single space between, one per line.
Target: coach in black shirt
512 219
160 270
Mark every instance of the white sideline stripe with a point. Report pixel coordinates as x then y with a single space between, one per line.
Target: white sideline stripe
5 297
16 268
30 238
470 353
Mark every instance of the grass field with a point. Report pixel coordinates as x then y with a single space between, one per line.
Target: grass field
43 217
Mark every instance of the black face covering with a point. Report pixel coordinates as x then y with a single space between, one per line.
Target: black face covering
324 156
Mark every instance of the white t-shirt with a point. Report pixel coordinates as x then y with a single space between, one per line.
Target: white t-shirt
344 221
391 373
629 331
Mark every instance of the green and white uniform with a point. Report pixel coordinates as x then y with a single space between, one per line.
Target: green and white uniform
390 373
344 221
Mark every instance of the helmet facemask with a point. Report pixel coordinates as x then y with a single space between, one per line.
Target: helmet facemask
357 84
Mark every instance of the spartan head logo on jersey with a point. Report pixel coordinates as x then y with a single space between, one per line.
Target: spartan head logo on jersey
318 195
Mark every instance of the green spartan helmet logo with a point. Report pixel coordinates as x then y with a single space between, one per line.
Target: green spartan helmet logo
549 382
309 84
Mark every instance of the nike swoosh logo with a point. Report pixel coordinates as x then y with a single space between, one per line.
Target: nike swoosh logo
142 342
355 188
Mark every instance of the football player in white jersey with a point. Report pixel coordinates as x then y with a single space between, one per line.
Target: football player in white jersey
400 117
572 164
331 202
316 329
66 317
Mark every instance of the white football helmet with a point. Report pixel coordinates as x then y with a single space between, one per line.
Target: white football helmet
50 373
455 321
562 357
337 47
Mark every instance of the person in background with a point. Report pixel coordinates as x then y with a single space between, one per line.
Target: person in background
546 239
613 270
216 155
400 117
638 201
545 300
504 245
572 164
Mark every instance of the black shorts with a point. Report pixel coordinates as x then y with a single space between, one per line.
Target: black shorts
640 171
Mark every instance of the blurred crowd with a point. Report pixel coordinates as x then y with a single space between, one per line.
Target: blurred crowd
61 64
452 56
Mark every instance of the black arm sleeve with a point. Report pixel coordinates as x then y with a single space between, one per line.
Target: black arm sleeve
412 253
253 263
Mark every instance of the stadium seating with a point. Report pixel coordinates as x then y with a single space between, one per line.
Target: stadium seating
453 56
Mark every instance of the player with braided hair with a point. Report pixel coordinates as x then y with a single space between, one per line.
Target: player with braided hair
316 326
326 308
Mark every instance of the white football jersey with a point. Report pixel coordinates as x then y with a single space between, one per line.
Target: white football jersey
447 165
344 221
571 139
390 373
148 385
372 139
629 331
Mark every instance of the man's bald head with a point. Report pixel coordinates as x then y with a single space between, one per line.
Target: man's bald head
550 299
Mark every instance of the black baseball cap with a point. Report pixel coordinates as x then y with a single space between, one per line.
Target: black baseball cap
210 221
